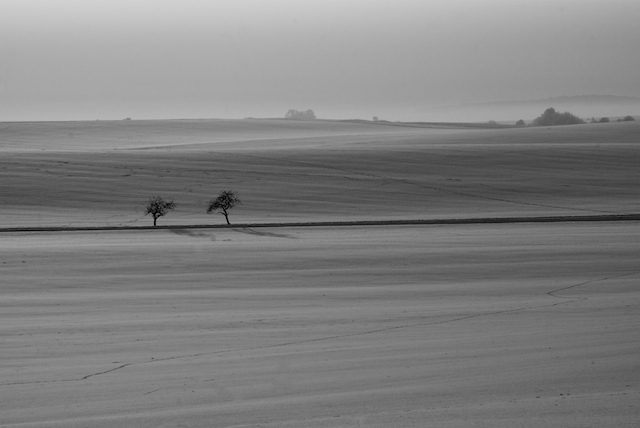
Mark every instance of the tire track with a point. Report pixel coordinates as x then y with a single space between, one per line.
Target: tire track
554 293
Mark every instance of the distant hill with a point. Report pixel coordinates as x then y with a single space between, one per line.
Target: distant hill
584 106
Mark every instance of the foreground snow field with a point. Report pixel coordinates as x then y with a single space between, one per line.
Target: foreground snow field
514 325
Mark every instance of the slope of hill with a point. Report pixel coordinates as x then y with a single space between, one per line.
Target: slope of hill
102 174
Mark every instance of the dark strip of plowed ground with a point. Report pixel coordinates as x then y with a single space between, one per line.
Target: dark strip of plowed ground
494 220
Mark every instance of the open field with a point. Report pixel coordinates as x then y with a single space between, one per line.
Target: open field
483 325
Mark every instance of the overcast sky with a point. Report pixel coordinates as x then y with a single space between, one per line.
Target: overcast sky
110 59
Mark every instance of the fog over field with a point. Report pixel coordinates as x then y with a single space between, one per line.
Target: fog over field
487 325
401 60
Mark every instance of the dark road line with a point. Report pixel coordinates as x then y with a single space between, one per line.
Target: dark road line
452 221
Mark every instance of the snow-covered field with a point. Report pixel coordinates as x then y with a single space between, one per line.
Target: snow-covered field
95 174
505 325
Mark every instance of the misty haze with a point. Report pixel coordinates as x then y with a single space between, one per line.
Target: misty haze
319 213
408 60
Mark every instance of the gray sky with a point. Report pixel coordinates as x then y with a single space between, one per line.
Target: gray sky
110 59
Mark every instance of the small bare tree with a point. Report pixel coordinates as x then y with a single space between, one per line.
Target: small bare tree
226 200
158 207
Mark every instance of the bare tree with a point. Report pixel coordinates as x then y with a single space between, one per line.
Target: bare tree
226 200
158 207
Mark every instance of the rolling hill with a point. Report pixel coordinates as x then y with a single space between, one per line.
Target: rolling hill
86 173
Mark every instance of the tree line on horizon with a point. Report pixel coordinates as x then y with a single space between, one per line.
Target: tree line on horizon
551 117
159 207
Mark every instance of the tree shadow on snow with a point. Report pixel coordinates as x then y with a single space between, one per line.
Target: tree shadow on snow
193 234
262 233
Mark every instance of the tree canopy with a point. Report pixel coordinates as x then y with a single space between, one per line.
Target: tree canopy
158 207
226 200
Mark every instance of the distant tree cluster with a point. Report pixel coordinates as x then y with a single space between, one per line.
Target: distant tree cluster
551 117
227 199
606 119
300 115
